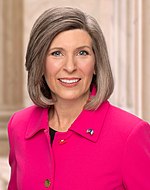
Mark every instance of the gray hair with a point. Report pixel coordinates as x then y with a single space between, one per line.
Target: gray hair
46 28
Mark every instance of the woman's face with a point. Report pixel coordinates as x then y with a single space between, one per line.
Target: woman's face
69 65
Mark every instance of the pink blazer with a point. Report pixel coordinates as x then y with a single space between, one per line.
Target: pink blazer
106 149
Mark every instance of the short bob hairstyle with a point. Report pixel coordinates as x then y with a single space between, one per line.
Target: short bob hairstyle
46 28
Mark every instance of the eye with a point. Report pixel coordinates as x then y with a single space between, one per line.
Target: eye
83 52
56 53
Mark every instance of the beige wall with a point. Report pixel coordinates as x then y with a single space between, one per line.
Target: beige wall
126 27
146 59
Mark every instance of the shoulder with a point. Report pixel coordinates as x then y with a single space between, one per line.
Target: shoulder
26 113
116 114
124 121
22 117
122 115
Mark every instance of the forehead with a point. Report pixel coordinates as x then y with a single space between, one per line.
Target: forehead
70 37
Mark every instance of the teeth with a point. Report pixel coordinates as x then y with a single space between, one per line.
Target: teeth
69 81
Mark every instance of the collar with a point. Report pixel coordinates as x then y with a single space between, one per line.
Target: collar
38 121
90 122
87 120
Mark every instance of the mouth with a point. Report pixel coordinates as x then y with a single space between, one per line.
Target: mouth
69 81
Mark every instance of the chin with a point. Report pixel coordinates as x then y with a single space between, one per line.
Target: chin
74 96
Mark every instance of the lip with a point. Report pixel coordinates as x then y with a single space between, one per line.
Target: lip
69 82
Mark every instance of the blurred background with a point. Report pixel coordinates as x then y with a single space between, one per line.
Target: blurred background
126 26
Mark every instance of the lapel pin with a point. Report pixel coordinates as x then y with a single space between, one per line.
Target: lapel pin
90 131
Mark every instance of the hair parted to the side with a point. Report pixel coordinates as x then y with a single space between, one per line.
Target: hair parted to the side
46 28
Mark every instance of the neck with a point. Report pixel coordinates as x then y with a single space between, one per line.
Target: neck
65 112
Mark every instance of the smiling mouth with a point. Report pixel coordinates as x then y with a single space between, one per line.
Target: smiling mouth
69 81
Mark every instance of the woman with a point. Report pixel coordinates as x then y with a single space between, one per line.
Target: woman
73 138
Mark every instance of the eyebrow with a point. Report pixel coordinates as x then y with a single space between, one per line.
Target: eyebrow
60 48
82 47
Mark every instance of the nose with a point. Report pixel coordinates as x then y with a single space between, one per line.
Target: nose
70 64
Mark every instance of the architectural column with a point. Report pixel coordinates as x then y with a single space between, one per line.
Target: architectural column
146 59
11 62
126 55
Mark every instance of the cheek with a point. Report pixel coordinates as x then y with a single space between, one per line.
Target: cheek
88 69
51 68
